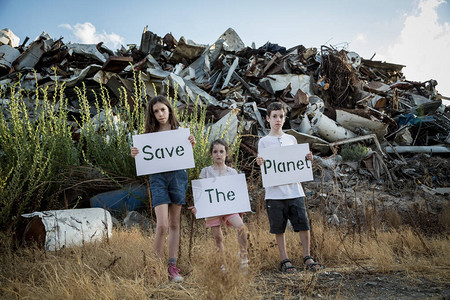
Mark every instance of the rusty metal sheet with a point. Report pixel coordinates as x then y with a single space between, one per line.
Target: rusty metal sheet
8 55
116 64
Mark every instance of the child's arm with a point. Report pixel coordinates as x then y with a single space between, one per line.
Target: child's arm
192 140
134 152
193 210
259 160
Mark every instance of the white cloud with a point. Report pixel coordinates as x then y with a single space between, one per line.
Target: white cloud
361 37
67 26
423 46
86 33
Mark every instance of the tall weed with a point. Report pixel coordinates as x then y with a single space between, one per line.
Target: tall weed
36 146
40 159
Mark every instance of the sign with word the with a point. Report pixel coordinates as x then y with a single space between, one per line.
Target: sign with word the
284 165
223 195
163 151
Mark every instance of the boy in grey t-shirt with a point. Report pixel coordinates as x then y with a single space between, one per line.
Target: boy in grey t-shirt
286 202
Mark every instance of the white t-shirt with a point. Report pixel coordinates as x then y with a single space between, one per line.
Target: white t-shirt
285 191
209 171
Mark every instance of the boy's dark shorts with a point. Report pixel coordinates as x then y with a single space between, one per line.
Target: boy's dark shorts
280 211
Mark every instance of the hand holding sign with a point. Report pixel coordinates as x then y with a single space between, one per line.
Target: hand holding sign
163 151
217 196
284 165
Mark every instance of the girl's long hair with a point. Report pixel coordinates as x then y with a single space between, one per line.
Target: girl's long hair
151 123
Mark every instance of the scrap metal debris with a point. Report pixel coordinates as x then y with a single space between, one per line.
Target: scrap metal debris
334 96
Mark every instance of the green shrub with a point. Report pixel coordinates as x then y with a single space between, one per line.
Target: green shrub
196 121
40 161
354 152
36 146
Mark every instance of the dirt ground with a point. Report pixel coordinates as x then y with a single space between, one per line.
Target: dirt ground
414 207
340 283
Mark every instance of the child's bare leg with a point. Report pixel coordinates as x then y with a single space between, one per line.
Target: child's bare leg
218 238
174 229
162 227
306 243
241 230
281 242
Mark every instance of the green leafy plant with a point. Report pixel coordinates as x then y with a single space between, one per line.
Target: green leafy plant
41 161
36 145
354 152
196 121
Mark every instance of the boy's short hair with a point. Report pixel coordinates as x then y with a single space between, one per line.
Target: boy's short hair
276 106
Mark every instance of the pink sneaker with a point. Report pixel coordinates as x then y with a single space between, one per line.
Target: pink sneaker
174 274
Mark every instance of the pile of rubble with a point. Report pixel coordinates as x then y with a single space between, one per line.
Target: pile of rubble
335 97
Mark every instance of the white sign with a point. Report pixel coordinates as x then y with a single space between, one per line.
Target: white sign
223 195
284 165
163 151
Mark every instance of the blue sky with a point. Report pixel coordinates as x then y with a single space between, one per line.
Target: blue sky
414 33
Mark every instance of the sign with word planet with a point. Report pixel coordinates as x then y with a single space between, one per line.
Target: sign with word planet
284 165
163 151
223 195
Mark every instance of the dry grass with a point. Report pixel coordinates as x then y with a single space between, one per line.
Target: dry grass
124 267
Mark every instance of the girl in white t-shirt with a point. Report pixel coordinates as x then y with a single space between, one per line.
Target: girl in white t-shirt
219 152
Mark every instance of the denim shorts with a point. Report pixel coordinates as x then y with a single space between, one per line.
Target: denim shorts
279 211
169 187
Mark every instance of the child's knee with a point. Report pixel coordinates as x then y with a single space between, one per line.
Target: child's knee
241 229
218 239
162 228
174 225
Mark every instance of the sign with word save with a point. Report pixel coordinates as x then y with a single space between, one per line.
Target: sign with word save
163 151
284 165
221 195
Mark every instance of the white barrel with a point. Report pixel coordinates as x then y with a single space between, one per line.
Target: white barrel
73 227
329 129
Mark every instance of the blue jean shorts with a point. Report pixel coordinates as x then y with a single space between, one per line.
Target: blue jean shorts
169 187
279 211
